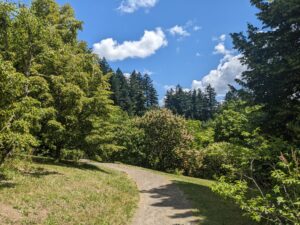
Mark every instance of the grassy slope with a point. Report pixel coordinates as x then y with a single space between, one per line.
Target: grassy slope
62 194
211 208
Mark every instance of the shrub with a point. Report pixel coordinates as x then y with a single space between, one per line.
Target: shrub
71 154
164 134
221 158
277 205
132 139
191 161
202 132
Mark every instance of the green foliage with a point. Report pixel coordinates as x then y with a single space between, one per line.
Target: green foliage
203 133
278 205
71 154
165 134
222 158
19 114
132 139
236 121
53 93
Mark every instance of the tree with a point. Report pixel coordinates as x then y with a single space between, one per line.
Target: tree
120 91
104 66
272 54
210 101
137 95
150 92
19 114
61 98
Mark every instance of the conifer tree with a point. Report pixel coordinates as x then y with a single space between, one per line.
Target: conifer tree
272 54
150 92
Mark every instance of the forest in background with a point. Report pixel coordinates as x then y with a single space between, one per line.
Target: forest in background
59 100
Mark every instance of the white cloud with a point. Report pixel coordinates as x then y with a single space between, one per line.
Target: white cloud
149 72
169 87
226 72
196 28
220 49
222 37
130 6
161 101
146 46
127 75
179 30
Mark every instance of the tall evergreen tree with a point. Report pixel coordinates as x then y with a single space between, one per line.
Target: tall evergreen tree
272 54
150 92
210 100
120 91
104 66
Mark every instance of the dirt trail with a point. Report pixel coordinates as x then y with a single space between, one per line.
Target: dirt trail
161 202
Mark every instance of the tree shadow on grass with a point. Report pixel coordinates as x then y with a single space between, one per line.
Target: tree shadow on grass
211 208
6 184
69 164
40 172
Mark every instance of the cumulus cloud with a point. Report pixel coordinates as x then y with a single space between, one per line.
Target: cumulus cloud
130 6
226 72
179 30
221 49
146 46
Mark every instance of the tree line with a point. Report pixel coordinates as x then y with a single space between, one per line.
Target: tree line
194 104
134 94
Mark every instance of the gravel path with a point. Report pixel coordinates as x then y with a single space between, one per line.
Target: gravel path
161 202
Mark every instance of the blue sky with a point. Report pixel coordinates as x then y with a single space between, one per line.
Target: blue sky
176 41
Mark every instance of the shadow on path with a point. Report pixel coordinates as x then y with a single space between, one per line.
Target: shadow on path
170 196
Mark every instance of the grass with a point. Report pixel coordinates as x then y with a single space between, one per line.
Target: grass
209 207
67 194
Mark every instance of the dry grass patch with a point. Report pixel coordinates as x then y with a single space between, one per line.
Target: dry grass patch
66 194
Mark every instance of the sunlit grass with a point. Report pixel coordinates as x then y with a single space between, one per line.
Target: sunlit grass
67 194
